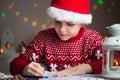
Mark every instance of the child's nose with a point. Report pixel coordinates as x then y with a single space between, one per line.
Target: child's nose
62 28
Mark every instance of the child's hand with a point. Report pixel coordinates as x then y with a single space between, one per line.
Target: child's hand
33 69
18 77
79 69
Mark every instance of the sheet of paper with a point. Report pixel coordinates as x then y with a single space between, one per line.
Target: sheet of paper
77 77
49 74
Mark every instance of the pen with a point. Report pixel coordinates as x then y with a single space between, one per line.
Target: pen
27 50
34 77
30 76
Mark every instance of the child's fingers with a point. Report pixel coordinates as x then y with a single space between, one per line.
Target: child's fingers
19 77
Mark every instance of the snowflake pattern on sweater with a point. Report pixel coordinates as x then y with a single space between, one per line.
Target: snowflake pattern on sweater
57 55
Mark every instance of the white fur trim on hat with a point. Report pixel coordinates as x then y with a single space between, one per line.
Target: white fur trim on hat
69 16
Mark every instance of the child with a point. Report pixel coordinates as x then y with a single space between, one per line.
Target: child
69 48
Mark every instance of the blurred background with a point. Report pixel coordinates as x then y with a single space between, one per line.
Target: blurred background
21 20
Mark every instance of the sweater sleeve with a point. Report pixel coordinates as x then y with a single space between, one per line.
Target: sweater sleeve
36 49
95 52
18 64
96 67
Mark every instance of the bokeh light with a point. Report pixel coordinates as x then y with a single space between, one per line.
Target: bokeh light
95 7
1 50
34 23
25 19
23 4
10 7
100 2
17 13
28 27
35 5
44 26
112 3
8 45
104 21
109 10
3 15
52 26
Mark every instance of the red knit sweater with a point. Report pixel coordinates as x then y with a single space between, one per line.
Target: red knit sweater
57 55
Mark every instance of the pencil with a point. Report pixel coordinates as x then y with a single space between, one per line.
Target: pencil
27 50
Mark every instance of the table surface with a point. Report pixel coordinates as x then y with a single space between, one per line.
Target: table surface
76 77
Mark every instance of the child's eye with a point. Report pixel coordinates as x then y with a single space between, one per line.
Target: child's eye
58 22
70 24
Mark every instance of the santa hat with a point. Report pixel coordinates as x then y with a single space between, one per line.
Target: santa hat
76 11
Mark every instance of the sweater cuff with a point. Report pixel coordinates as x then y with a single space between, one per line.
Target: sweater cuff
18 66
96 67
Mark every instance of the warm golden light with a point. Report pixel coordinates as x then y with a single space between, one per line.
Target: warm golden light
116 63
8 45
34 23
23 49
10 7
1 50
25 19
105 38
52 26
95 7
17 13
44 26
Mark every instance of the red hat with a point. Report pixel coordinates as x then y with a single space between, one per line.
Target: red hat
76 11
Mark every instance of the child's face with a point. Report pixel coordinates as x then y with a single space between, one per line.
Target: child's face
66 30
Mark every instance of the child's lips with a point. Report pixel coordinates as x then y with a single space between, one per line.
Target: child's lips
62 34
